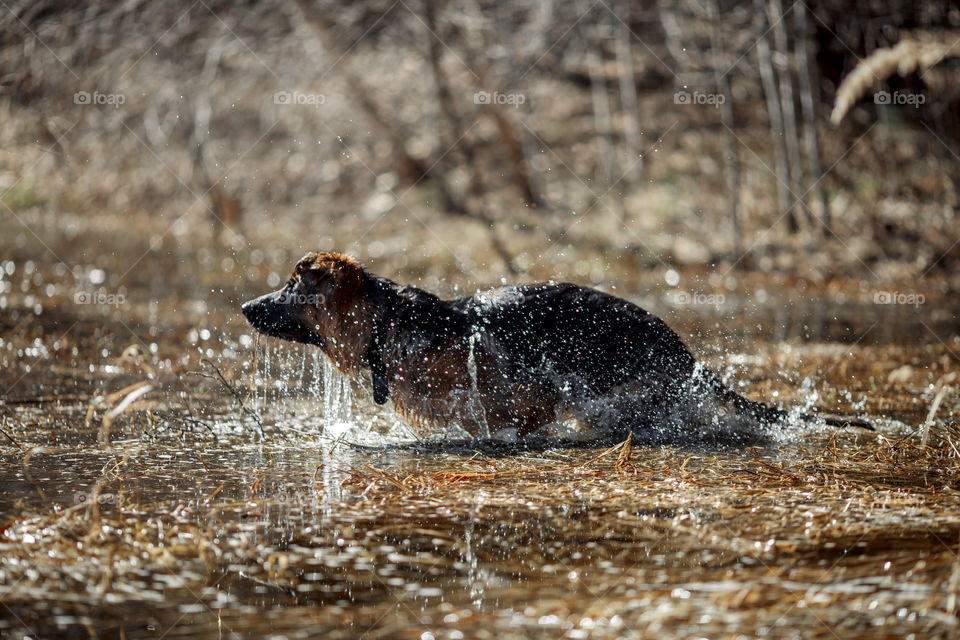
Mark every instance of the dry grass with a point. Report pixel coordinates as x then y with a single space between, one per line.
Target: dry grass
918 52
849 534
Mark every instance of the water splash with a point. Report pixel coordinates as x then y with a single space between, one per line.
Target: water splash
337 400
303 382
303 363
476 402
265 378
258 375
316 368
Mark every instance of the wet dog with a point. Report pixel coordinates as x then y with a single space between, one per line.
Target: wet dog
515 357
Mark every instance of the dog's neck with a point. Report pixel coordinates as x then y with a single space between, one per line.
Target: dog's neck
359 318
348 329
394 303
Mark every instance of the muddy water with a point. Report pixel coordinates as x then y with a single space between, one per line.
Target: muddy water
308 512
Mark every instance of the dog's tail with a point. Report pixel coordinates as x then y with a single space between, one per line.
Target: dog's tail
769 414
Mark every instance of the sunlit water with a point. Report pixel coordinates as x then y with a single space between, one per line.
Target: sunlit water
338 520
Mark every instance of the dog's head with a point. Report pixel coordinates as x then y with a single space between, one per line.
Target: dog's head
315 304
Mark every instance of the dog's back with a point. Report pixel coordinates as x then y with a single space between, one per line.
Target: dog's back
568 331
522 356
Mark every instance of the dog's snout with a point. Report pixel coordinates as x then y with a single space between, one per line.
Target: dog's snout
251 307
260 312
274 315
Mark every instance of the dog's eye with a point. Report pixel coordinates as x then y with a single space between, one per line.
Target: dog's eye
318 278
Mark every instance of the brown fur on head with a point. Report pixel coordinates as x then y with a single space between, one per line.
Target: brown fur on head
321 304
346 272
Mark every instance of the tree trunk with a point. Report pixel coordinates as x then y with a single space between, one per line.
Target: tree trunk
733 170
769 81
808 103
632 158
784 70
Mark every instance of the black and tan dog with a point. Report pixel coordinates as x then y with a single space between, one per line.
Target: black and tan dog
515 357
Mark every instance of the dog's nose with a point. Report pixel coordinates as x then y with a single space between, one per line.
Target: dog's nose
250 309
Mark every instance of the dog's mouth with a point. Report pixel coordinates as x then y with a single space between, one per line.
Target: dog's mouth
272 314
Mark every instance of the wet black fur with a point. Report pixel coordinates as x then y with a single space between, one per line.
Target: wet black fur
566 339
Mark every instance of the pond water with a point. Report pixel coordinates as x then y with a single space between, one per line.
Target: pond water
169 510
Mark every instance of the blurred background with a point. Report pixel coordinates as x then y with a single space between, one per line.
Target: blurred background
192 151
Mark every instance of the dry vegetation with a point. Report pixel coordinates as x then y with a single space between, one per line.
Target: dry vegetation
850 534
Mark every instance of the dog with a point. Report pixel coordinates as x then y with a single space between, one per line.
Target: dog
515 357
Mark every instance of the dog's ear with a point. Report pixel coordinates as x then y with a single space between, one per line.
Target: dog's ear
335 274
304 264
348 276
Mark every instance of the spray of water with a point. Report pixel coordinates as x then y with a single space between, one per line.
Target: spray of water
266 372
304 385
476 402
253 386
337 400
316 370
